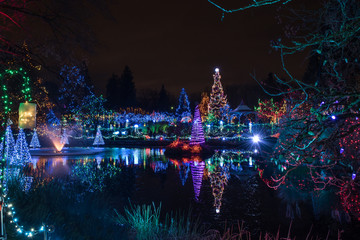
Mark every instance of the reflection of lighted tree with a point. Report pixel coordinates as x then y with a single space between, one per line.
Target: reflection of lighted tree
93 175
218 179
159 166
184 172
197 172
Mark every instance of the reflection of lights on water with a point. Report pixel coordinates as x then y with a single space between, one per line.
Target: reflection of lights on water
250 161
126 160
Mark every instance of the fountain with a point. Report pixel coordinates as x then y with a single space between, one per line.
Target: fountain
60 151
58 145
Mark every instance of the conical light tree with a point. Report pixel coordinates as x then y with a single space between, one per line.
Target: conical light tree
217 97
9 144
197 132
21 154
99 140
35 140
197 172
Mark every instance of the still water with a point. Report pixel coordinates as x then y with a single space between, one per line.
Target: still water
223 190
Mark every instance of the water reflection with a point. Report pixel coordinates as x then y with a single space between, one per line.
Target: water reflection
229 182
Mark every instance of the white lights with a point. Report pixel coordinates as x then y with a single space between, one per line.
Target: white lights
217 70
255 139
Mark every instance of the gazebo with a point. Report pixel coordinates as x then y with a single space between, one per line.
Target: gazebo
242 110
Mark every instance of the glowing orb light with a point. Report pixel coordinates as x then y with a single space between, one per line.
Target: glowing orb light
256 139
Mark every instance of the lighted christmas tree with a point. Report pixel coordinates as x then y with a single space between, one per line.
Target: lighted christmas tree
98 138
217 97
197 172
204 106
197 132
21 154
35 140
183 108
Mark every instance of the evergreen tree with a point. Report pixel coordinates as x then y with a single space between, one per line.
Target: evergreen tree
127 91
35 140
21 154
99 140
197 132
183 108
164 102
217 96
112 92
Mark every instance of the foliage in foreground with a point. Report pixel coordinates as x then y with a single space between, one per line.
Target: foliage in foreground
144 222
74 212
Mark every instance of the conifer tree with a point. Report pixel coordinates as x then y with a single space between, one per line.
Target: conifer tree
217 97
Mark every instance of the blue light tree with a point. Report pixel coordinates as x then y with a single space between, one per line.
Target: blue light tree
183 108
21 154
99 140
35 140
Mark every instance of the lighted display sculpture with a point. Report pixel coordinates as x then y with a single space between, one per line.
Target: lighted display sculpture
21 154
9 144
27 115
34 140
197 172
197 132
99 140
218 99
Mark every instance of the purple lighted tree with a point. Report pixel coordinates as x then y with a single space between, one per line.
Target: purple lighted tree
197 132
197 172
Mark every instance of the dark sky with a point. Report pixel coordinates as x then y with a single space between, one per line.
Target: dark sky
179 44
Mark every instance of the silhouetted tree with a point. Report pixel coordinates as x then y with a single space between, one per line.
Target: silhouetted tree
112 92
127 91
164 102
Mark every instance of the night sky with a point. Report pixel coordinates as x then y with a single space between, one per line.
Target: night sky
179 43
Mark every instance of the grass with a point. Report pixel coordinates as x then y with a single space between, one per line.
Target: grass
144 222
